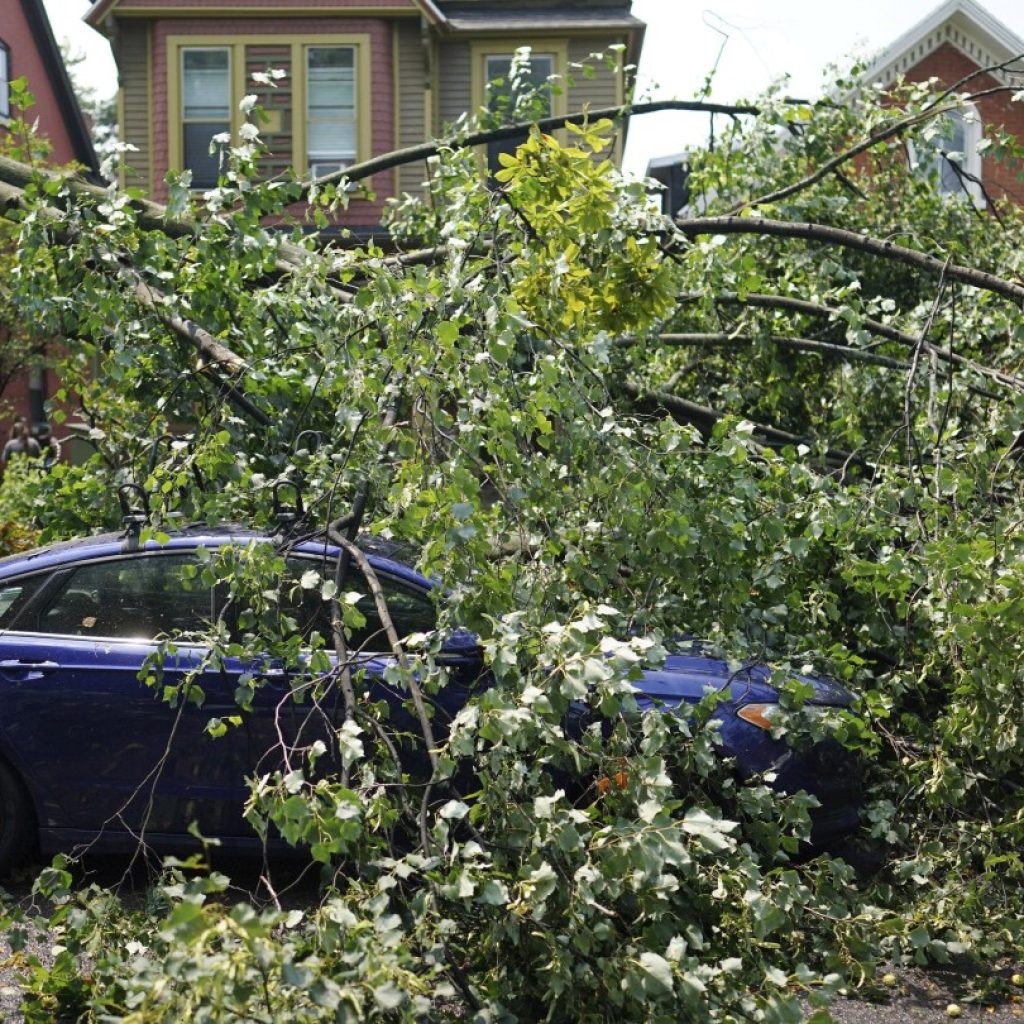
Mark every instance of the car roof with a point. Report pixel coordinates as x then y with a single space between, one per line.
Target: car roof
382 555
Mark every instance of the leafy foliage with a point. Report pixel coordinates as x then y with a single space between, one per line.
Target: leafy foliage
502 398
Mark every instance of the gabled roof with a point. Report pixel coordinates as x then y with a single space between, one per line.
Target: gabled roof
64 93
963 24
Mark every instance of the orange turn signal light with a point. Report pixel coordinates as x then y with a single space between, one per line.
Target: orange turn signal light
758 714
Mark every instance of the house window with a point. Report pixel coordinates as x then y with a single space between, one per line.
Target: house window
5 81
331 106
503 92
206 109
318 107
957 162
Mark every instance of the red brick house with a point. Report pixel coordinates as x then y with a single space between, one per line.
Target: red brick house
360 77
28 50
956 40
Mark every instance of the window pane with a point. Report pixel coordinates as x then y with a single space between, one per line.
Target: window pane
501 97
542 66
204 165
330 105
206 84
15 595
328 139
139 598
952 141
5 78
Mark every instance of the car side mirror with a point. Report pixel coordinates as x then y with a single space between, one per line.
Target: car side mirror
461 643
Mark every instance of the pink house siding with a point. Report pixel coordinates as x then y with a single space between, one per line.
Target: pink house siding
382 101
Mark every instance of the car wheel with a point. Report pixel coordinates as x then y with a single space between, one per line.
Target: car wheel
17 821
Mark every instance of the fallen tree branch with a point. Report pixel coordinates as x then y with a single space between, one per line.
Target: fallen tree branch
153 216
423 151
730 225
763 301
704 418
723 339
812 345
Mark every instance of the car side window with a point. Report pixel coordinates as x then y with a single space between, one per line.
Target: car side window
130 598
411 608
15 595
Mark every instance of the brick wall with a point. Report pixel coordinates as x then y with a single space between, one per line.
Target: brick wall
949 65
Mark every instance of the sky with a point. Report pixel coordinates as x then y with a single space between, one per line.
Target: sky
763 40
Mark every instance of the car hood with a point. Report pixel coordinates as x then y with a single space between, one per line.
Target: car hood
690 677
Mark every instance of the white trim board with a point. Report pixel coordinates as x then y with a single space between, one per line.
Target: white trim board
964 24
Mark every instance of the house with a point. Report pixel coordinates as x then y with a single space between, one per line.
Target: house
28 50
360 77
673 174
951 45
958 39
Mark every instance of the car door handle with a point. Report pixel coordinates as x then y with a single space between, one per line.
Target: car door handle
24 666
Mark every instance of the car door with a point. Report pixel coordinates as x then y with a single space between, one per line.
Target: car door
286 717
107 748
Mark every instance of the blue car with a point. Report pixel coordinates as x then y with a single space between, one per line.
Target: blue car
90 755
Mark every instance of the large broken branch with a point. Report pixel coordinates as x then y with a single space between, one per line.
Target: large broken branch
872 326
412 154
704 418
729 225
155 217
812 345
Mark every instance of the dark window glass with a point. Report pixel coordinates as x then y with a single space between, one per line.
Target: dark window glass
138 598
502 96
204 165
14 595
412 610
206 109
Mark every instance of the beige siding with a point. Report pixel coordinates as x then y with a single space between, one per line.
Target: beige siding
135 74
600 91
603 89
412 91
454 81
